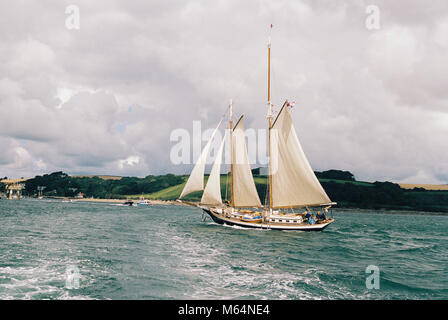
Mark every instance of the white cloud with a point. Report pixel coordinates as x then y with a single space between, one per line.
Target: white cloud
130 161
104 99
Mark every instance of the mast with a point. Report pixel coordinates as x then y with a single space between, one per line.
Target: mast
269 116
231 164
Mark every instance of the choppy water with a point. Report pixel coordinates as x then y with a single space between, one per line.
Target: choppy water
166 252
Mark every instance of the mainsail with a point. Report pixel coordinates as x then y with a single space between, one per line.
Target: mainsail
212 191
244 190
196 180
294 183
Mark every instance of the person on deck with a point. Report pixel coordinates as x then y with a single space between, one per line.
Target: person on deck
320 216
311 219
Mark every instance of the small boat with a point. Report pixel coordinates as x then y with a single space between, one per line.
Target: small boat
129 203
292 186
144 203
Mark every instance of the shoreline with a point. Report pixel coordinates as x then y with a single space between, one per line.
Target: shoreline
162 202
334 209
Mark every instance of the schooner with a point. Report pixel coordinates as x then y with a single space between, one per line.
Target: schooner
293 188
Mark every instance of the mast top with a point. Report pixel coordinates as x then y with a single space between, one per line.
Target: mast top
231 108
269 38
269 104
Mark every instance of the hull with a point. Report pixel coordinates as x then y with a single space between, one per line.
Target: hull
221 219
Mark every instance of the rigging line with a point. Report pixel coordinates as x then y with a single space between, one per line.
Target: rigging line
266 192
221 121
227 185
222 117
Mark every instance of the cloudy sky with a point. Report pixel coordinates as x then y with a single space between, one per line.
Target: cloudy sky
105 98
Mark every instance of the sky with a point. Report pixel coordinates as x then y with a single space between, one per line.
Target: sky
371 95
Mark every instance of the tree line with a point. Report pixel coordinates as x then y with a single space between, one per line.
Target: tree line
61 184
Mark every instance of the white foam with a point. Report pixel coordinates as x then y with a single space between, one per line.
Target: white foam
46 279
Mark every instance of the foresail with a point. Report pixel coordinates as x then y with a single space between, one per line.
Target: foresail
293 180
195 181
244 190
212 191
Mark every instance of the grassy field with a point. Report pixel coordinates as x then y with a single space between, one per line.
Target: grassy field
169 193
424 186
356 183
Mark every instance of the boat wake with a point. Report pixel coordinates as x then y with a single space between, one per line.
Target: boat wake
46 281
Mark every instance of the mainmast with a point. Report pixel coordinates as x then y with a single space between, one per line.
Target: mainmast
231 164
269 116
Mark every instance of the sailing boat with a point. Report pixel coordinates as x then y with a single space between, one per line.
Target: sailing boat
291 180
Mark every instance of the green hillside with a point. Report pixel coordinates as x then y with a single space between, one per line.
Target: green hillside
347 193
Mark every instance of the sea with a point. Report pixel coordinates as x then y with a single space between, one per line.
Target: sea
51 249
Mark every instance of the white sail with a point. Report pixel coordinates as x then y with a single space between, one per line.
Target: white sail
196 180
244 191
212 191
294 183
